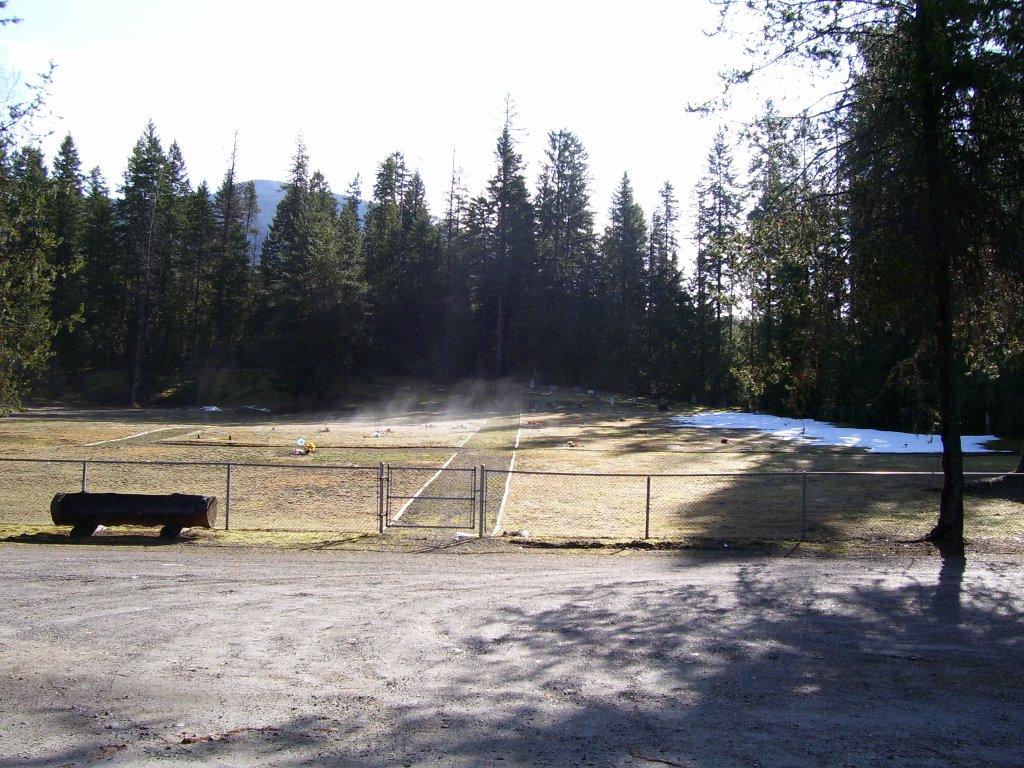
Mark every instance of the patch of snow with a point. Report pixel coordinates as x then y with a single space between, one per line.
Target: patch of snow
210 409
820 433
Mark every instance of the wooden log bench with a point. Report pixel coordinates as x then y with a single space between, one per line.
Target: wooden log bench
85 512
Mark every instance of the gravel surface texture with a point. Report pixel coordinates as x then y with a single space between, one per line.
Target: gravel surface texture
179 655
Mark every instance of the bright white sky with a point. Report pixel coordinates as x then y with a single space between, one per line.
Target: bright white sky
360 80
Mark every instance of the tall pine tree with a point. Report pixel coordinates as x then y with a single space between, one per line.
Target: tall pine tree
719 205
624 295
145 218
567 308
103 332
27 248
67 214
507 262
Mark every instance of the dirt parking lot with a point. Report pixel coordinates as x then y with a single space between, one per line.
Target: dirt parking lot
179 655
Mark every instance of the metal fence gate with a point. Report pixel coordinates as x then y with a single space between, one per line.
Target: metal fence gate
418 497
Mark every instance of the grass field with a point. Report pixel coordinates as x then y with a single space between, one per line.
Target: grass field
748 488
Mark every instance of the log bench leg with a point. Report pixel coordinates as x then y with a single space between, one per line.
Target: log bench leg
171 531
84 530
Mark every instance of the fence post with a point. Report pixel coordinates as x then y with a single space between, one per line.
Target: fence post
227 501
380 497
483 497
647 511
84 471
803 508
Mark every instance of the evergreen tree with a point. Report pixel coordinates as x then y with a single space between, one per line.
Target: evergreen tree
67 214
280 244
457 348
234 210
477 243
792 266
329 315
420 287
772 265
719 205
929 99
624 253
145 215
350 227
932 77
402 247
507 264
823 352
354 290
180 249
251 207
278 296
313 288
669 325
567 264
384 260
105 324
194 292
565 221
27 273
27 250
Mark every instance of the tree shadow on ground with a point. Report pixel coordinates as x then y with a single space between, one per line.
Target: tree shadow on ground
749 673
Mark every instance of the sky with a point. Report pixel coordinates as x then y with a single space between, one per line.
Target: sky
820 433
358 81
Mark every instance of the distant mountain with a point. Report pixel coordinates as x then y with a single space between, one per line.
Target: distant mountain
269 194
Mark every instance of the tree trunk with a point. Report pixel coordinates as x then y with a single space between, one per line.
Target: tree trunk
950 526
940 242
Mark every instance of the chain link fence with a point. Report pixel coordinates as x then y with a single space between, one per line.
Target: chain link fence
817 506
735 506
276 497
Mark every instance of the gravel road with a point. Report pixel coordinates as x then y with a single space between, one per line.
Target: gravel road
179 655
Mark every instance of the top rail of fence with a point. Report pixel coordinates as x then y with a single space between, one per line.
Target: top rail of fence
431 468
138 462
738 473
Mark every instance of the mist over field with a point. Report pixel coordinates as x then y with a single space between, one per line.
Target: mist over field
461 400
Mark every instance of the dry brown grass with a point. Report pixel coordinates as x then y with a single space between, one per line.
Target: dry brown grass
335 488
756 496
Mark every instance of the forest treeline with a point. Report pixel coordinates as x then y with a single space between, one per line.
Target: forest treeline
808 294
